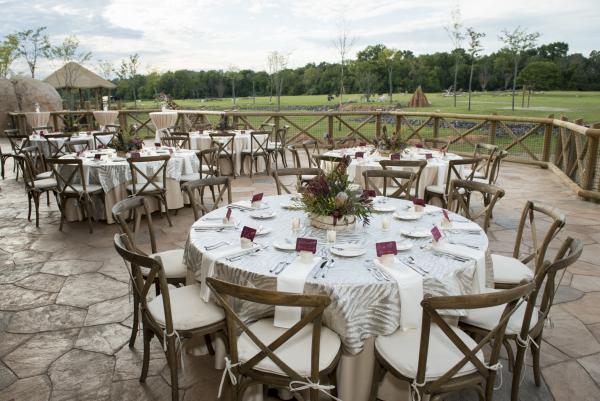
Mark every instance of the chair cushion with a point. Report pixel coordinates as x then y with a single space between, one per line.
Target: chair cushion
44 175
45 183
401 350
307 177
436 189
488 318
188 310
172 261
508 270
91 188
193 177
149 188
295 352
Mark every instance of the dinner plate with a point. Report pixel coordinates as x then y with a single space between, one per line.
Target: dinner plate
285 246
403 245
292 205
415 233
348 251
383 208
263 231
408 215
263 214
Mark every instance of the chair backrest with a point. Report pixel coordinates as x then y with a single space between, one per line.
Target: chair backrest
401 189
488 151
78 145
419 165
46 129
537 252
311 147
279 137
135 206
105 138
195 190
142 282
57 144
179 140
319 161
296 172
459 197
455 171
223 141
17 141
313 305
495 170
68 172
259 142
436 143
295 155
208 159
546 282
347 141
511 298
32 160
150 181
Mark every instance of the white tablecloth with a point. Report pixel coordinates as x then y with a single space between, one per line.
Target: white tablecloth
42 143
240 142
38 119
162 120
106 117
359 300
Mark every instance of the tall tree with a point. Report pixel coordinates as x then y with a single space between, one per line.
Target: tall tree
518 42
343 44
8 54
454 31
129 70
474 50
277 62
105 68
31 46
388 55
233 74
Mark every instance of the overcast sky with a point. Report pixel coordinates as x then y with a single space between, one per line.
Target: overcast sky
207 34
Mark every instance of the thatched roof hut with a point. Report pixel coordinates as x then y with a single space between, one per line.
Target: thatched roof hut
419 99
75 76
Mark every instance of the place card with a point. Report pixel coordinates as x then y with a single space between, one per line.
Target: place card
248 233
395 156
256 198
359 155
170 151
446 223
369 193
386 248
436 233
227 217
97 156
306 245
418 204
157 144
419 146
428 156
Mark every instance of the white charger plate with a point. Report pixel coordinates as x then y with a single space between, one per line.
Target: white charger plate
284 246
383 208
408 215
349 251
263 215
415 233
403 245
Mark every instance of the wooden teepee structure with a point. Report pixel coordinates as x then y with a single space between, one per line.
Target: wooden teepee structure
418 99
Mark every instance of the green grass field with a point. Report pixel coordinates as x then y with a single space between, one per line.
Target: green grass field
573 105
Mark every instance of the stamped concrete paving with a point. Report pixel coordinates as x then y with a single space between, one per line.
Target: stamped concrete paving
65 314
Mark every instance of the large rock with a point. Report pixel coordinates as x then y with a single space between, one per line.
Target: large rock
8 102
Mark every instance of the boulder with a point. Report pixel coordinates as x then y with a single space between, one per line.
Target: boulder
8 102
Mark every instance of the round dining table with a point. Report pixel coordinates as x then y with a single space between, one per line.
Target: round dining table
241 142
113 174
41 142
364 302
162 120
105 117
434 172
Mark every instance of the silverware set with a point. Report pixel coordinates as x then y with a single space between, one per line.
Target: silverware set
452 256
251 252
463 244
412 263
216 245
281 265
375 272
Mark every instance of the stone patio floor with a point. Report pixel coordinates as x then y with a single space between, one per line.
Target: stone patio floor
65 313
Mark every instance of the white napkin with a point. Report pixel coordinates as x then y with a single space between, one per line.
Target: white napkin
462 225
211 224
292 279
208 264
478 257
410 285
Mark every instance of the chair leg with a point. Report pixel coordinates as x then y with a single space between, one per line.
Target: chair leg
172 360
164 199
29 196
146 359
87 206
47 198
208 341
136 320
517 371
36 202
378 373
535 351
510 353
63 205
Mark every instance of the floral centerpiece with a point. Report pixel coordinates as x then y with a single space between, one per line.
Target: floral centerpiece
389 143
330 202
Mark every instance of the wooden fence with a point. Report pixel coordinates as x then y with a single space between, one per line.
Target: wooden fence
570 149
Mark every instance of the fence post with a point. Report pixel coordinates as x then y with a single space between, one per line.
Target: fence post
436 127
493 130
123 122
55 122
378 124
398 126
330 128
591 161
547 140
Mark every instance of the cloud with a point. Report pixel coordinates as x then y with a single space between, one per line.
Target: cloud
201 34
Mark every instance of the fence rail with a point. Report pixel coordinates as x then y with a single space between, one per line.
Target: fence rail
569 148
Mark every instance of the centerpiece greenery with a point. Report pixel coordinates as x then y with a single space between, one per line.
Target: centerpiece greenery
332 204
389 143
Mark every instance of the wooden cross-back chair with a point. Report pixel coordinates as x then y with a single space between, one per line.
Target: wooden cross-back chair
259 148
17 142
35 185
134 208
398 181
302 175
224 142
321 161
496 164
195 191
438 359
509 271
72 184
436 143
459 199
58 144
46 129
105 138
295 155
416 166
78 145
277 145
311 352
454 166
488 152
525 328
167 316
153 184
311 148
179 140
209 159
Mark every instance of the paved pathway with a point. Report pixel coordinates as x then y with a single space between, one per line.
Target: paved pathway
65 310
